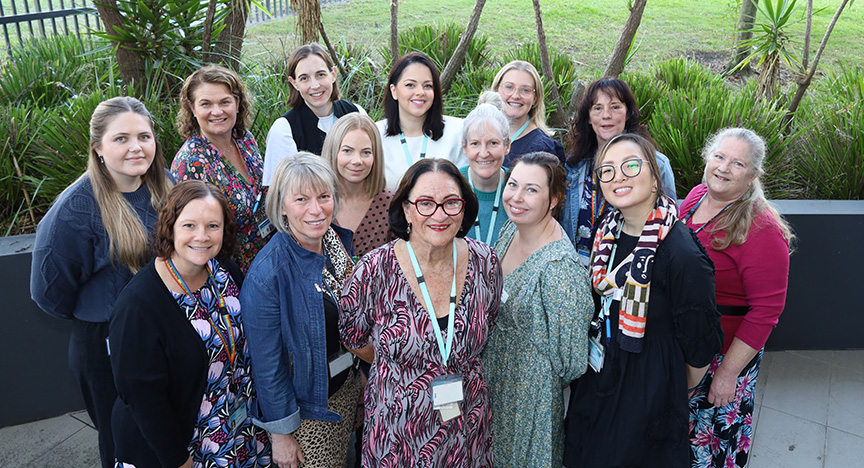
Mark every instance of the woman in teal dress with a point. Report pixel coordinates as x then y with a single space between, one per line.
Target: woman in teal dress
540 343
485 142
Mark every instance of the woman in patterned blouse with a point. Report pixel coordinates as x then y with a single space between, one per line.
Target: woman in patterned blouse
214 115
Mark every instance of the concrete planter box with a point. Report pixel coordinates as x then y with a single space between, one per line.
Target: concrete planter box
822 309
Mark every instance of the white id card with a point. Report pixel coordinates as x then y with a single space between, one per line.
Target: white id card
341 363
446 389
265 228
504 296
596 353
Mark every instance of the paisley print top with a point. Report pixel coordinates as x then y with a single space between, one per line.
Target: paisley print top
198 158
402 428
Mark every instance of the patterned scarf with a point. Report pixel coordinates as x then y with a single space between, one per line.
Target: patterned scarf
338 266
633 274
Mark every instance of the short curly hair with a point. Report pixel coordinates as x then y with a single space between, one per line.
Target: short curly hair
187 124
180 196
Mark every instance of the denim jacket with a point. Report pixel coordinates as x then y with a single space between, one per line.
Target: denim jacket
283 313
576 185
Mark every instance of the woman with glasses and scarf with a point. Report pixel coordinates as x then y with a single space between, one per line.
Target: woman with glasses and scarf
657 327
428 301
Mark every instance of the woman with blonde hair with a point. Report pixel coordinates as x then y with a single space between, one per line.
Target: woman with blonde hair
748 241
94 238
315 105
521 88
214 117
353 148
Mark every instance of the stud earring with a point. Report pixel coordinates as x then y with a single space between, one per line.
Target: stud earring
409 229
101 159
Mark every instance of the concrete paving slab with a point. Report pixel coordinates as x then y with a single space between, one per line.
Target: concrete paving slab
26 443
798 385
786 441
842 450
846 401
79 451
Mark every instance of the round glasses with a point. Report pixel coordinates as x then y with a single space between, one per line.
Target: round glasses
631 168
427 206
524 91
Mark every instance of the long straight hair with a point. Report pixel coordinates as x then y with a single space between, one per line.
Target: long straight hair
128 240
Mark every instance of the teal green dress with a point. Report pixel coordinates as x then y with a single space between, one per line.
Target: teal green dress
486 201
539 345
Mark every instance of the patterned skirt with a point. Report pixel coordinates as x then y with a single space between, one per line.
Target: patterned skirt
722 437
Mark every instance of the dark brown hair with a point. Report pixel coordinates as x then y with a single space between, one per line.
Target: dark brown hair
398 223
301 53
556 176
581 139
434 123
180 196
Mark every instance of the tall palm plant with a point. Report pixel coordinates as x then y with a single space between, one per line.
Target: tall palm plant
770 44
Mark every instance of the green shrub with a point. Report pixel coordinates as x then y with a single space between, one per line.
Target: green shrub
439 42
683 120
647 90
846 84
681 73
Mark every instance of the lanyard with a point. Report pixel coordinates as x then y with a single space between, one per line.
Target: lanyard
521 129
606 301
692 211
230 345
445 350
408 153
495 208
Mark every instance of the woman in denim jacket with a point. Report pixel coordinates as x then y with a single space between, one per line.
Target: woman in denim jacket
607 109
305 379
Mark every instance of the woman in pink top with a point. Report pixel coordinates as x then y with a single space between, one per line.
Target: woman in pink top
748 241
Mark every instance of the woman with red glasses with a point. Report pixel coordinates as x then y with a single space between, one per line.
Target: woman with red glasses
427 301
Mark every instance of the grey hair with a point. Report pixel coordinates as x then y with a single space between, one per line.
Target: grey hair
493 98
295 173
486 114
756 143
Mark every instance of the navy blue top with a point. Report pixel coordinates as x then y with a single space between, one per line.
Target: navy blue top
72 274
533 141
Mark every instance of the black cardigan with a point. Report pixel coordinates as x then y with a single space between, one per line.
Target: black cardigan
160 368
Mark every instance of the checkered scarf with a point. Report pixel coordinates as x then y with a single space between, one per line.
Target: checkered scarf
633 274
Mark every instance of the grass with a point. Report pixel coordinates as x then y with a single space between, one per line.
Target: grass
585 30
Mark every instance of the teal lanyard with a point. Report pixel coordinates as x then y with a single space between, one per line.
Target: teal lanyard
521 129
408 153
495 208
692 211
445 350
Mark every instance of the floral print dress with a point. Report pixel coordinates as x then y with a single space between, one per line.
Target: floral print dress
402 428
200 159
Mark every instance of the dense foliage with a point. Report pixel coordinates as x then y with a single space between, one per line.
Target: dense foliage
49 89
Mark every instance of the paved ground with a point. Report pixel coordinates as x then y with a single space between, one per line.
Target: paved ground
810 414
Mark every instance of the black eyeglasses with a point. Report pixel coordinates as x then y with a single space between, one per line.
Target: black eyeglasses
427 206
630 168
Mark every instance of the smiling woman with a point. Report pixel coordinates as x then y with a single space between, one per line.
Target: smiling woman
315 107
214 116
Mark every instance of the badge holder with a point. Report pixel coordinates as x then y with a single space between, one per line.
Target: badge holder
237 411
447 396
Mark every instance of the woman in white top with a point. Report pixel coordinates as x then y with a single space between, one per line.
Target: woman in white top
315 107
414 126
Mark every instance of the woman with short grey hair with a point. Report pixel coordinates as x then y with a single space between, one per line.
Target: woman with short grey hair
485 141
290 301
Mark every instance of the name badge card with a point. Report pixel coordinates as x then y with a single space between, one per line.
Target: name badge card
341 363
446 396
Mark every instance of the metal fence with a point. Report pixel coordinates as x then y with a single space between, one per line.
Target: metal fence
24 19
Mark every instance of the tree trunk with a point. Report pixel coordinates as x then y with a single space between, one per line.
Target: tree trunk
808 30
745 33
207 34
229 44
394 30
333 53
458 58
807 77
130 62
619 54
557 117
308 14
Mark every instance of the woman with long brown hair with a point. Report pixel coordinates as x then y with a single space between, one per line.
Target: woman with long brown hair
94 238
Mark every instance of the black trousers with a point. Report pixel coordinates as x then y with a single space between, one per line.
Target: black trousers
88 360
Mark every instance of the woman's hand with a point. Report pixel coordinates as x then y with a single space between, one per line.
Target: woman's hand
286 451
188 463
722 388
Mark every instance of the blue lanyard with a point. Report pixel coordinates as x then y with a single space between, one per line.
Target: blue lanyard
692 211
495 208
408 153
445 350
521 129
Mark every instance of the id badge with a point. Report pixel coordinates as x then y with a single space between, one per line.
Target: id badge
238 413
446 396
340 363
504 296
596 353
264 227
